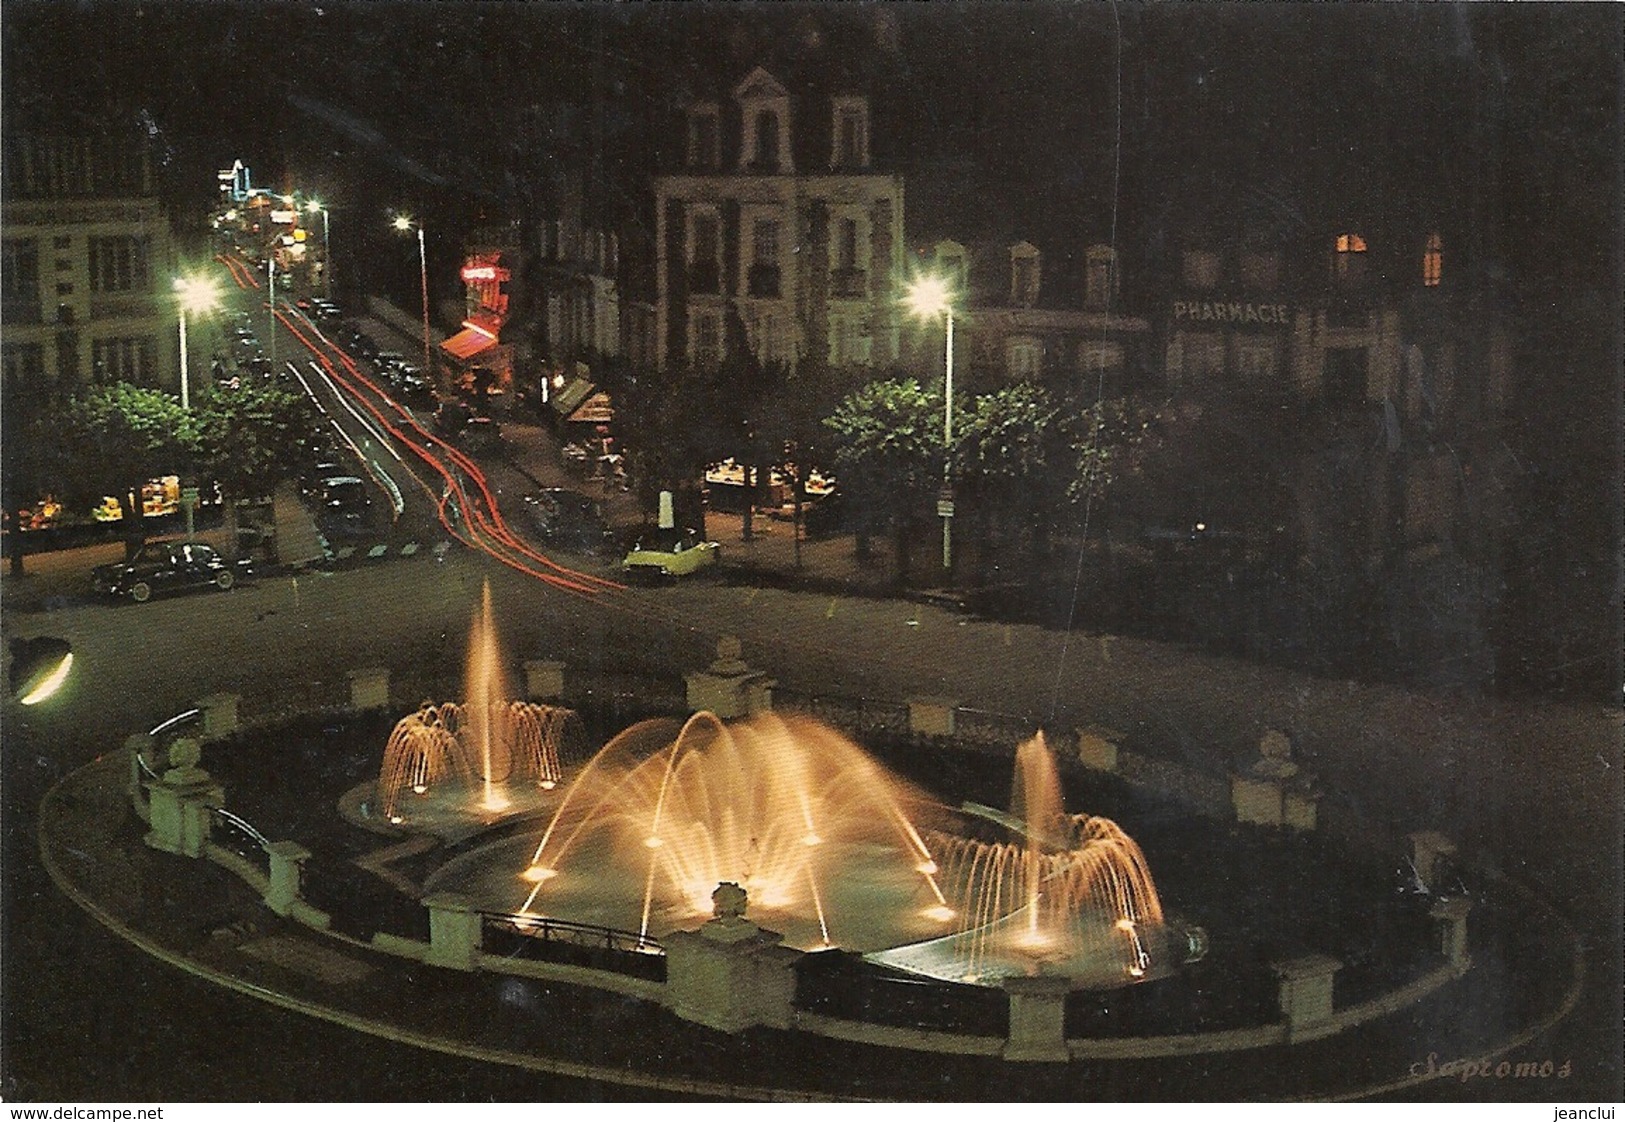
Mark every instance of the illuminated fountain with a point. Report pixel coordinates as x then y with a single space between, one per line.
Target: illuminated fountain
474 761
834 851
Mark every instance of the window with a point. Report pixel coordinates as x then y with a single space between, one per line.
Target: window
705 273
704 150
1023 357
19 280
1255 363
764 271
1099 277
1260 269
851 147
1201 268
1433 261
765 240
1024 272
128 359
1204 355
850 282
24 365
846 253
1348 258
118 264
61 242
767 140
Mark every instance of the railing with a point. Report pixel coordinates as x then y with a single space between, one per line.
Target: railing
233 832
854 715
575 944
839 984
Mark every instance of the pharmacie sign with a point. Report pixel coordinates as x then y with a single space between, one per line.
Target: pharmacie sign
1221 311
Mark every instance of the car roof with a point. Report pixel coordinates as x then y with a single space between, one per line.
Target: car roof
340 480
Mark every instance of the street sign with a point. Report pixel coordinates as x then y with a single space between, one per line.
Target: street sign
945 508
189 495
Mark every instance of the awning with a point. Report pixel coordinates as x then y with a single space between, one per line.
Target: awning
569 399
467 343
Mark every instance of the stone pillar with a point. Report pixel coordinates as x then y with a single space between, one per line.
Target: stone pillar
931 716
1260 793
1306 993
730 975
544 679
1037 1019
287 868
219 715
179 803
1300 805
1097 748
728 687
369 688
455 935
1430 851
1450 917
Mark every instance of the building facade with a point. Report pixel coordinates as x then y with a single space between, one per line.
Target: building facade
778 217
1015 320
88 267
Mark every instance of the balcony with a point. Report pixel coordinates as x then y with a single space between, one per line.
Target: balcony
849 284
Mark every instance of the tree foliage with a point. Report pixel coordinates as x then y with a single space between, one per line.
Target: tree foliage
248 439
113 438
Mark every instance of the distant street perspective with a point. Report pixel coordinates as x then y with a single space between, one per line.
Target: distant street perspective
822 554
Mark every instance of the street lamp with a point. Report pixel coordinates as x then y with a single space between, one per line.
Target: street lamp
928 298
403 224
312 207
193 295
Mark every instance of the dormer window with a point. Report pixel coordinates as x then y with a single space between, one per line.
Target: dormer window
1348 258
1024 275
767 141
1433 261
704 138
850 150
764 111
1099 277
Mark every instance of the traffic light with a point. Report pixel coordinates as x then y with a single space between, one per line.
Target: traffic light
39 667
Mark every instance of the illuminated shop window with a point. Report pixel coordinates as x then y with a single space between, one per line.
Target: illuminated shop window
1433 261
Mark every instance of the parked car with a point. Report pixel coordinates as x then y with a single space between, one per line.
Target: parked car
669 552
166 566
567 518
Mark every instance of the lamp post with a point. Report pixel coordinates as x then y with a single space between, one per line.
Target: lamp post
403 224
194 296
270 288
313 207
927 298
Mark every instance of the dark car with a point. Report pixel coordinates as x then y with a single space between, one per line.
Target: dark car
344 509
567 518
164 567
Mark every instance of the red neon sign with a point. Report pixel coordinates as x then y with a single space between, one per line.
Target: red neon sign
479 272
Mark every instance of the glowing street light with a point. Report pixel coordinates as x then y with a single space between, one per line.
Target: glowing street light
405 224
193 295
929 297
39 667
314 206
